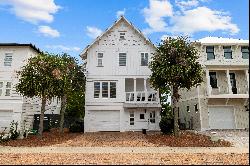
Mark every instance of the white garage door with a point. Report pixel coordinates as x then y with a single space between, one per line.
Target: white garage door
5 119
221 118
108 120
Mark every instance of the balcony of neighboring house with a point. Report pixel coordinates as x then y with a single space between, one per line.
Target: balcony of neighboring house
139 91
227 83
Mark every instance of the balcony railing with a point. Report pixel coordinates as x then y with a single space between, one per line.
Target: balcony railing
142 96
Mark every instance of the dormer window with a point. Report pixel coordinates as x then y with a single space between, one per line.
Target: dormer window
99 59
122 36
227 52
210 52
245 52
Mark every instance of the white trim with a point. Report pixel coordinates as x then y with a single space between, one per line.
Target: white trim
108 29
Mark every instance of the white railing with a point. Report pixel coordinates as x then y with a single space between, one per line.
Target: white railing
142 96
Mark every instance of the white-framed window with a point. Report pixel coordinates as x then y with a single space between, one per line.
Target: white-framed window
152 117
131 118
1 88
8 59
100 59
8 89
105 89
245 52
5 88
112 89
144 59
122 59
96 89
122 35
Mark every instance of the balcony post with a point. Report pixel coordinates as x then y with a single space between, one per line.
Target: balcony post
145 89
135 95
228 82
247 77
208 83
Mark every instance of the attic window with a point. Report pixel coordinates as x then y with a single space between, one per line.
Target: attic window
122 36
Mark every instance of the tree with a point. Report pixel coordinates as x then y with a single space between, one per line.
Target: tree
71 79
175 65
36 80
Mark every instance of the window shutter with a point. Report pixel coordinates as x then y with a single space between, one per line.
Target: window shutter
122 59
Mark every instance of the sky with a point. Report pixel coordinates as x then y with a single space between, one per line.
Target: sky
69 26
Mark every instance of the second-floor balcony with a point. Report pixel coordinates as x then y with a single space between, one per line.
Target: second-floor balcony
138 90
227 83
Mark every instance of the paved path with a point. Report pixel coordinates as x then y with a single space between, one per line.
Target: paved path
115 150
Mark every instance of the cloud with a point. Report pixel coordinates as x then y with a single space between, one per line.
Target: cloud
120 13
155 13
93 32
203 19
33 11
186 4
63 48
188 19
48 31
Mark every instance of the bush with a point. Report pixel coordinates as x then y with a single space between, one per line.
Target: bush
77 126
166 125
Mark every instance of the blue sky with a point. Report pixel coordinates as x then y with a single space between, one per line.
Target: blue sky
69 25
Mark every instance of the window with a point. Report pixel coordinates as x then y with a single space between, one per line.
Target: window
210 52
196 108
105 89
144 59
1 88
99 59
188 109
8 59
142 116
233 82
96 89
112 89
122 59
227 52
122 36
213 79
245 52
131 118
152 117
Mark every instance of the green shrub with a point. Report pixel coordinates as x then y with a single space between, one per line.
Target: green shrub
13 130
166 125
77 126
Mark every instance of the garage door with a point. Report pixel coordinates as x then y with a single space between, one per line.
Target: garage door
108 120
221 118
5 119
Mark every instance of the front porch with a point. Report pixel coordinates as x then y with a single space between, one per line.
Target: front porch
227 83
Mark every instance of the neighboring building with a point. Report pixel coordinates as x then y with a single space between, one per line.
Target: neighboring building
13 106
222 100
118 93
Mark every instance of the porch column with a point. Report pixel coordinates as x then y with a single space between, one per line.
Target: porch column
135 95
145 89
208 83
228 82
247 77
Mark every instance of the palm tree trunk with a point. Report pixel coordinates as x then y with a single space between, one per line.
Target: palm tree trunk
62 112
40 131
175 98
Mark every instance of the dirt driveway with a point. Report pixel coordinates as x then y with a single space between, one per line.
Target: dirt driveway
238 138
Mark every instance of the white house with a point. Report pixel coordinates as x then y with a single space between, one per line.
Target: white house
222 100
13 106
118 94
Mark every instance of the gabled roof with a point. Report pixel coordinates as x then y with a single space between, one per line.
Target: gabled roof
122 18
22 45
